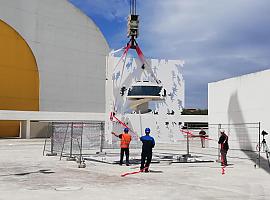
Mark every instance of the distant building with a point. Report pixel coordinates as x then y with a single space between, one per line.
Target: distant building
194 111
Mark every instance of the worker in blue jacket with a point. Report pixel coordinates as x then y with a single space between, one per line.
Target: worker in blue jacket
148 145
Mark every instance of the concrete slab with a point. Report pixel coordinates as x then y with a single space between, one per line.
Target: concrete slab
26 174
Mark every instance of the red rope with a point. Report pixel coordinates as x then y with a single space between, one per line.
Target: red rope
136 172
122 123
124 53
142 58
140 54
222 159
190 134
112 116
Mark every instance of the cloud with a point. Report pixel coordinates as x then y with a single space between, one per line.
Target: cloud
108 9
217 39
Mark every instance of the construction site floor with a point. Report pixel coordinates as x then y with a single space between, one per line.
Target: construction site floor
26 174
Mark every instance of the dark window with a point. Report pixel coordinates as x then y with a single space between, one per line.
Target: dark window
144 91
195 125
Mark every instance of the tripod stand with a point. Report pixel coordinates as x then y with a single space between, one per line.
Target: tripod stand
265 149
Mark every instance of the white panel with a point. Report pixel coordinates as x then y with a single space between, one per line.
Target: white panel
164 127
169 72
243 99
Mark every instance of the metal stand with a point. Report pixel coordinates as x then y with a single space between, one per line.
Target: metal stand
81 160
187 155
52 153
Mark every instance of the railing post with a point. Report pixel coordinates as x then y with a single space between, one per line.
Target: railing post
259 161
71 142
101 136
52 141
218 153
82 163
81 146
187 141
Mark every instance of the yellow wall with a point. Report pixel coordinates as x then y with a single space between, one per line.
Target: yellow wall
19 78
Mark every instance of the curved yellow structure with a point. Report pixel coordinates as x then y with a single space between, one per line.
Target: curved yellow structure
19 81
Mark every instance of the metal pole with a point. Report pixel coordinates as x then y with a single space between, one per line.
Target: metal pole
81 146
259 144
101 136
71 140
52 142
140 122
45 143
82 163
52 139
63 146
219 127
187 141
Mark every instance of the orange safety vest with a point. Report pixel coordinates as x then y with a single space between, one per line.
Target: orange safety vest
125 140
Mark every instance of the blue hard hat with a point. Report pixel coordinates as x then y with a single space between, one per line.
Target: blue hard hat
147 130
126 130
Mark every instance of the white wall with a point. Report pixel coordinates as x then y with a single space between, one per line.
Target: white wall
243 99
69 49
34 129
169 72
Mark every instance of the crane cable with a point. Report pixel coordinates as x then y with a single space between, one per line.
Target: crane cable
143 60
132 7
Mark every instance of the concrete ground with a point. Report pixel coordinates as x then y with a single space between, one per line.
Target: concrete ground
26 174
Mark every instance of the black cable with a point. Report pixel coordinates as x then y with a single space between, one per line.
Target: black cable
130 1
135 7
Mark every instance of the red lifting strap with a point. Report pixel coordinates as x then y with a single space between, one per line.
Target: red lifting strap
136 172
190 134
124 53
140 54
122 123
112 115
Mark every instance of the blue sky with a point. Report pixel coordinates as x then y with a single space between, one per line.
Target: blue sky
218 39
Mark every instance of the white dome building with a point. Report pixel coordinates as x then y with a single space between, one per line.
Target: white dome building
52 58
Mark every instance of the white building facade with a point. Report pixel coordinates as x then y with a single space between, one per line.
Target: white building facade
69 49
52 59
241 100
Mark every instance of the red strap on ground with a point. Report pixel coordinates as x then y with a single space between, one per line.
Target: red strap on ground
136 172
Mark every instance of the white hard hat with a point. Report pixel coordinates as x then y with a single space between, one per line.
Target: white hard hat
222 130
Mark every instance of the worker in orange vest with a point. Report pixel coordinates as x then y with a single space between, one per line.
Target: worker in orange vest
125 141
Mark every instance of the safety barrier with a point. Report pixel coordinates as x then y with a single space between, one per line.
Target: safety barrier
75 139
242 136
78 140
